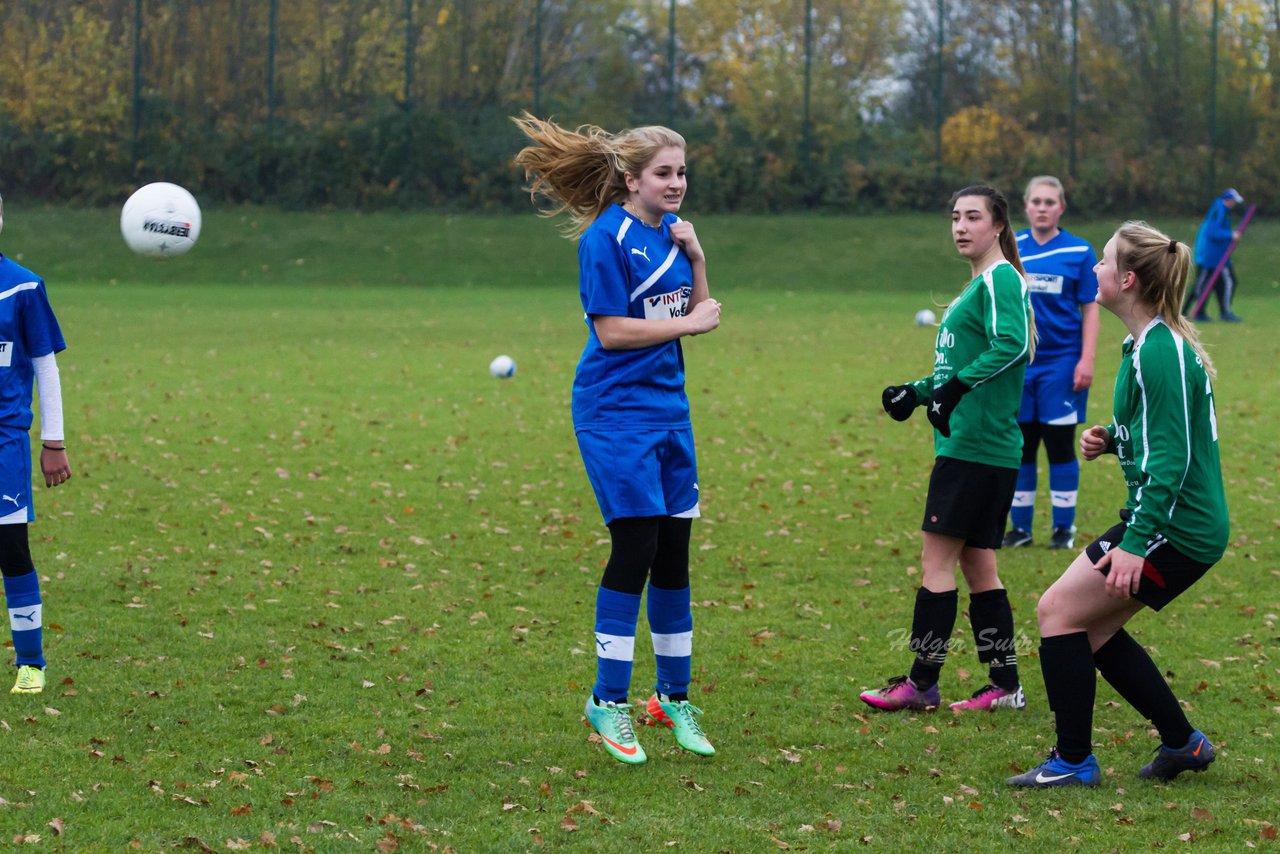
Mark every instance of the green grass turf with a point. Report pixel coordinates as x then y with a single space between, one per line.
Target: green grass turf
321 582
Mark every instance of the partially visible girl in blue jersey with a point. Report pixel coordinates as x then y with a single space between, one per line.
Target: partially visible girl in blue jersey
1173 527
1063 288
643 283
29 338
985 339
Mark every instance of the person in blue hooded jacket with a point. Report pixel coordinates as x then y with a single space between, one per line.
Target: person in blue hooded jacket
1212 242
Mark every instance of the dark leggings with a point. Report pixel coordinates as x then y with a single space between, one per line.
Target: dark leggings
1059 441
1224 287
15 553
653 548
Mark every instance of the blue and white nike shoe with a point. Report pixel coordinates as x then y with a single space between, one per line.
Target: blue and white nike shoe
1056 771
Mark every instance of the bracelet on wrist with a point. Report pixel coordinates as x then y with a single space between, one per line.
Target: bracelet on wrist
49 447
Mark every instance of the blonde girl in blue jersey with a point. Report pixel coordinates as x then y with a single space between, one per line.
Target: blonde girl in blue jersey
1173 528
985 338
1056 392
29 338
643 284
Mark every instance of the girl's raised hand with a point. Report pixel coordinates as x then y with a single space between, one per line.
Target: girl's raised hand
687 239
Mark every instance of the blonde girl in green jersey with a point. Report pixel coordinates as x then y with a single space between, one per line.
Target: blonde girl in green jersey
1172 530
985 339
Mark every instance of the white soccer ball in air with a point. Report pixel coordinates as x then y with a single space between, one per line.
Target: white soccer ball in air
503 367
160 220
925 317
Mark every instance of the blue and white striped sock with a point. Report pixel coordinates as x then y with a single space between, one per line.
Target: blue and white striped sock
22 595
616 616
1024 498
1064 485
671 626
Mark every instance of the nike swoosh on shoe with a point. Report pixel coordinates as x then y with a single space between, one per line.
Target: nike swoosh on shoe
628 751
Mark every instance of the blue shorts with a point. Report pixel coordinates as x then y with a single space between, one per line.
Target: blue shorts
642 472
1047 394
15 478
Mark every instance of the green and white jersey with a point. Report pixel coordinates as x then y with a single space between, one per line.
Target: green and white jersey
1165 432
984 338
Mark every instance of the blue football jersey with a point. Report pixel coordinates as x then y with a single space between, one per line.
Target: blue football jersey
1060 277
28 330
629 269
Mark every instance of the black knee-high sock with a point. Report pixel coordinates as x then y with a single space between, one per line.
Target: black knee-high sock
1126 666
992 621
1070 683
931 625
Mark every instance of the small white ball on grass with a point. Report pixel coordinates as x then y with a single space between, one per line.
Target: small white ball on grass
503 367
925 317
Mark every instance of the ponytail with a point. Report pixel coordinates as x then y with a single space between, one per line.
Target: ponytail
1162 265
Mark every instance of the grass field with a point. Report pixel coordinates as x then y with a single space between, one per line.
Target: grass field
321 583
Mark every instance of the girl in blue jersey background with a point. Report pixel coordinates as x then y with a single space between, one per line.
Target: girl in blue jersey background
643 284
29 338
1064 291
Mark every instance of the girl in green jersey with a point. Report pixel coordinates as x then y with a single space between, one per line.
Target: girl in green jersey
985 338
1173 528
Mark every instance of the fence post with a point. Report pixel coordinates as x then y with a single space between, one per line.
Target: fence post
805 140
1075 87
671 64
137 83
1213 102
410 55
409 51
937 119
271 66
537 57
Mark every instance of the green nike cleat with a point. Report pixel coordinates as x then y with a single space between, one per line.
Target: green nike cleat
613 722
681 717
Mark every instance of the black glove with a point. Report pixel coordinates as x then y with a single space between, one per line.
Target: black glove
943 403
899 401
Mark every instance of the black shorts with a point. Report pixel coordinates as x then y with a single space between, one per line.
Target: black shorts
1166 573
970 501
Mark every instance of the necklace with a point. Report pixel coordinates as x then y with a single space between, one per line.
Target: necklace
626 206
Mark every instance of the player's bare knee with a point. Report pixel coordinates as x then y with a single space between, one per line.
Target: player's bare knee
1048 612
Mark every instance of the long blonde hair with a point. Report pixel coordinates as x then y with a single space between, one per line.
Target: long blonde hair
582 171
1161 265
